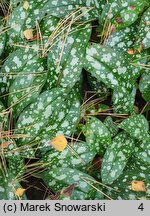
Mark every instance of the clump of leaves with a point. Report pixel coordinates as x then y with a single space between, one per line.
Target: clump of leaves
75 98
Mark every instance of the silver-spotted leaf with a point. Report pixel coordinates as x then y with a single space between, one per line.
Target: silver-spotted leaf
143 35
64 120
84 10
136 126
123 13
116 157
2 36
142 155
21 19
52 112
124 184
97 87
123 100
66 56
3 114
122 40
76 156
60 177
27 84
112 127
10 181
144 86
14 64
97 136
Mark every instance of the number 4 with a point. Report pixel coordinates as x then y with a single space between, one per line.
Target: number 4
141 207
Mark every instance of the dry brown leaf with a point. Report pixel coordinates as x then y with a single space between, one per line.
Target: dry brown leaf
19 192
138 186
131 52
28 34
59 142
5 145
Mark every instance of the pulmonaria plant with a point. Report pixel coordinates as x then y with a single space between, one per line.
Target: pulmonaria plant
75 72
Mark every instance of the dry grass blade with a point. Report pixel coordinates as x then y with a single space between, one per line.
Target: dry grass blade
4 5
97 189
62 26
107 28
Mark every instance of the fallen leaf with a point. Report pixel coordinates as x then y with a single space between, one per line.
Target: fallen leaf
68 190
5 145
26 5
119 20
138 186
59 142
19 192
28 34
131 52
132 7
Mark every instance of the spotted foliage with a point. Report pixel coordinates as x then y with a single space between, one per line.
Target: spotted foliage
144 86
123 13
143 36
97 136
42 118
136 126
77 69
60 177
12 179
114 68
65 70
112 127
116 157
2 36
124 182
76 155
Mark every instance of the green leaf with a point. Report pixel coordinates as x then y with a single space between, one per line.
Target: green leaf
142 155
14 64
14 3
123 184
112 66
65 59
22 19
76 156
52 112
47 26
16 167
59 177
2 114
27 85
112 127
122 40
144 86
37 115
65 120
8 187
2 36
13 151
85 9
143 35
123 100
97 136
102 63
10 180
16 22
116 157
124 13
136 126
97 87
